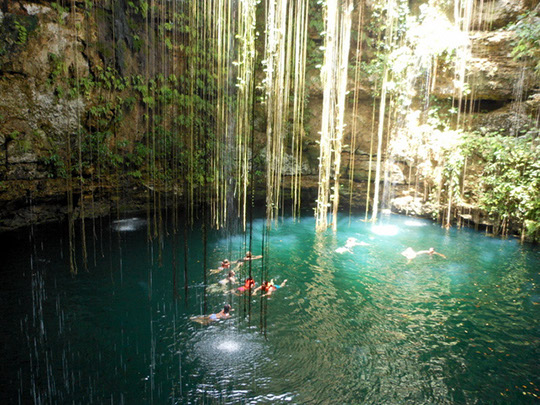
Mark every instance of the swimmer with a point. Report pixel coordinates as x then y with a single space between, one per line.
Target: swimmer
268 287
248 285
410 254
249 256
225 264
231 278
352 242
206 319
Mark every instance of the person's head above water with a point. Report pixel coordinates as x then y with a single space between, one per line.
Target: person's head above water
431 250
226 308
248 254
231 273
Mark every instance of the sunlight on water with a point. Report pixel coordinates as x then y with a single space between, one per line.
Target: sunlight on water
415 223
228 346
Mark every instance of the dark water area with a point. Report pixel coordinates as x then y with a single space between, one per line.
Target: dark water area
358 327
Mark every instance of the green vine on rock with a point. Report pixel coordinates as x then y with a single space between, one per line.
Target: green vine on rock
527 41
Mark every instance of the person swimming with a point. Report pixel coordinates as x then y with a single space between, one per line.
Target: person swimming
268 287
410 254
249 256
351 242
225 264
231 278
206 319
248 285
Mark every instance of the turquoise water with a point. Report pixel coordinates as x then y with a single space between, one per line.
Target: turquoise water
359 327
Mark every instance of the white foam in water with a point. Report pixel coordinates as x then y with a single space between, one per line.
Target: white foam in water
128 225
228 346
385 230
216 349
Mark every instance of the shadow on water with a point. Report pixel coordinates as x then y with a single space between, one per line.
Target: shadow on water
352 325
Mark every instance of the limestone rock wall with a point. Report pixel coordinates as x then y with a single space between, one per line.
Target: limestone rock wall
40 50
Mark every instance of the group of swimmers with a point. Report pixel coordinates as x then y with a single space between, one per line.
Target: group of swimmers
266 288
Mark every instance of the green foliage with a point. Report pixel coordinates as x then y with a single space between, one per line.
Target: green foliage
55 166
14 32
58 68
137 43
314 54
60 11
509 186
22 36
13 136
527 42
172 108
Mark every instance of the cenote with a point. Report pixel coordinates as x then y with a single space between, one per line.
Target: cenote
142 142
358 327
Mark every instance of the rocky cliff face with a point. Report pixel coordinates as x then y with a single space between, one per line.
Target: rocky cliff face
46 51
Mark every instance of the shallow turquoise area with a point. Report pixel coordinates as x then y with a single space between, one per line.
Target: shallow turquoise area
359 327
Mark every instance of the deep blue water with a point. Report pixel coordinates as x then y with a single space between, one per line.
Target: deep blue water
359 327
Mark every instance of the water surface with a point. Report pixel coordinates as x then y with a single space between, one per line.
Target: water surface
361 326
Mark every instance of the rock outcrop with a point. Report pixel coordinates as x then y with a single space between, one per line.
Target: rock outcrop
47 51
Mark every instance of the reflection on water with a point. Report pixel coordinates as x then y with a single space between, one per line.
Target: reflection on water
415 222
128 225
362 327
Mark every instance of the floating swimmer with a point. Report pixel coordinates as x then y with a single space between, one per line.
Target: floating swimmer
410 254
231 278
351 242
248 285
268 287
206 319
249 256
225 264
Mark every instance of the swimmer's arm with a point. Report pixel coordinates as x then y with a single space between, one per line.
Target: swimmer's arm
440 254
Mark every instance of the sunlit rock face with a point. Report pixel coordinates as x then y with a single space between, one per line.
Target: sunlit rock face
411 205
492 73
513 119
491 15
289 165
